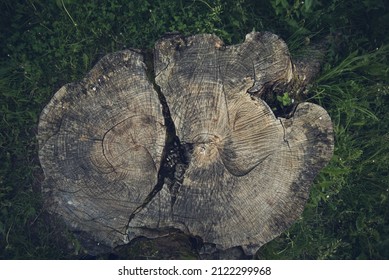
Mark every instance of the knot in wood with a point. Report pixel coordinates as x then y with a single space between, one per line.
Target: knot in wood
205 150
205 154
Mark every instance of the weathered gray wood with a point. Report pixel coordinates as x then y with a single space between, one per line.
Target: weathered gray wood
249 172
101 142
240 176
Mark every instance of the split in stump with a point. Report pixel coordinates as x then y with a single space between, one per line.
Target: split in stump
194 149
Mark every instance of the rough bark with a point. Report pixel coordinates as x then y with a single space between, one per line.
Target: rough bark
199 152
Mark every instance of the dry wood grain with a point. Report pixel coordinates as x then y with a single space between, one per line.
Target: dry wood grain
236 175
101 142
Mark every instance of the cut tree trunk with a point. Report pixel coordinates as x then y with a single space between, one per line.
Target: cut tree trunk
186 146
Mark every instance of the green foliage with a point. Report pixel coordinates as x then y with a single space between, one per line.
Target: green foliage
46 44
285 99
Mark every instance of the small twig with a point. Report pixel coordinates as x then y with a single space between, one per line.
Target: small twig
63 5
7 235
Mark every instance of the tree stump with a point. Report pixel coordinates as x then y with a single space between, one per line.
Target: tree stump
186 144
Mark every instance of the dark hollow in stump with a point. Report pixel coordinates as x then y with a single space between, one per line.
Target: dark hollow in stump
193 148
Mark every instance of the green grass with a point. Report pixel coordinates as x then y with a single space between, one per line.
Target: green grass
46 44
